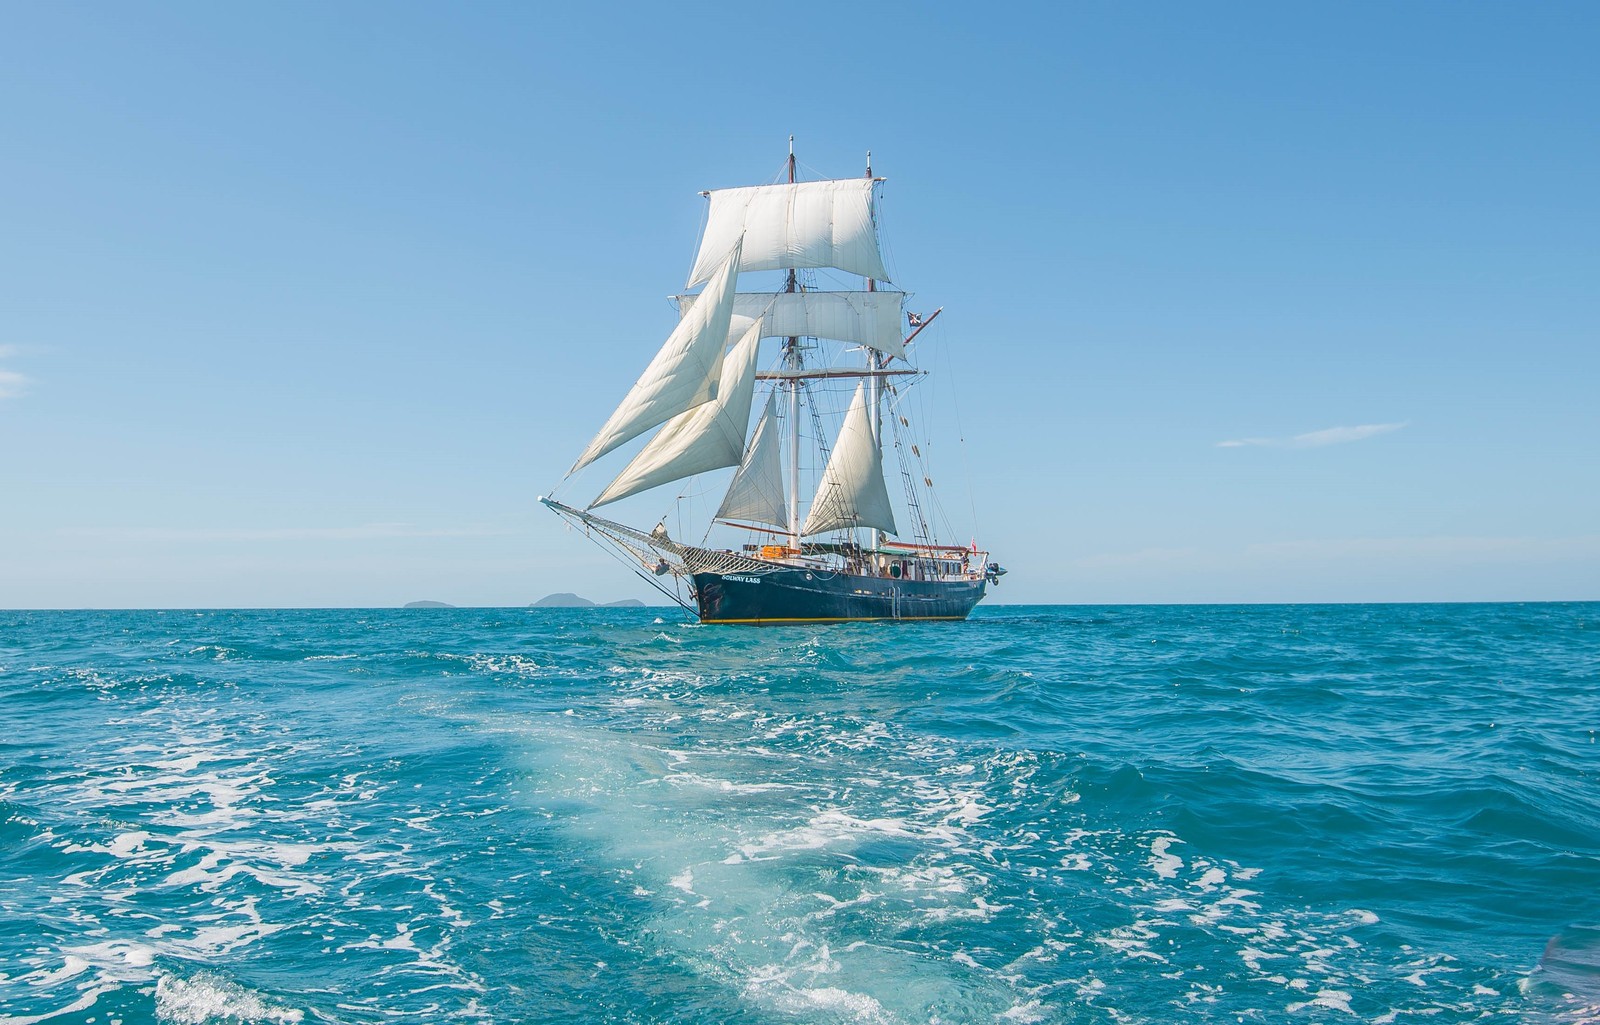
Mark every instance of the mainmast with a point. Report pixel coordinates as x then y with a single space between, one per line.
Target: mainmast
794 359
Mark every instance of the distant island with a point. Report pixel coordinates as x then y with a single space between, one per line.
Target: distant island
563 600
568 600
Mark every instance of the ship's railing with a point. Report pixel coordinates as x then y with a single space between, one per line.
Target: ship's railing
708 560
660 554
924 561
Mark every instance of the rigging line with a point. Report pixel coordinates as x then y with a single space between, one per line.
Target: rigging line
912 503
926 416
889 263
961 433
703 493
697 492
900 394
824 450
569 483
705 218
942 515
801 165
675 599
923 456
627 557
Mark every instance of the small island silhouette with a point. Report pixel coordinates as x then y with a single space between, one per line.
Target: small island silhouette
561 600
568 600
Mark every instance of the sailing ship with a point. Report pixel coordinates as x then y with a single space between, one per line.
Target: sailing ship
847 555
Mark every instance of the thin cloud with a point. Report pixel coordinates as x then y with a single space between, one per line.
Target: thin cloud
1317 439
1452 547
1353 551
364 532
12 383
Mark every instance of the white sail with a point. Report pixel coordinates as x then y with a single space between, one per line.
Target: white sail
756 493
707 437
804 224
864 318
683 374
852 492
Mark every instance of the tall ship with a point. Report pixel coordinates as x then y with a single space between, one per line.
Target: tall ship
839 386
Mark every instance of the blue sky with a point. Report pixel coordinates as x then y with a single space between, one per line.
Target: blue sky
304 304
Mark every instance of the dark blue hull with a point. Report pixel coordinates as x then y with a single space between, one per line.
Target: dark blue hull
809 596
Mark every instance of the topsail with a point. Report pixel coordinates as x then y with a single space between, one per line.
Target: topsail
804 224
872 319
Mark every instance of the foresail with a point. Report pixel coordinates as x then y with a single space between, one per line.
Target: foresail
707 437
683 374
852 492
873 319
803 224
756 494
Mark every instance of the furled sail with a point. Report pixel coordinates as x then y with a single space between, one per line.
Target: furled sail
802 224
683 374
865 318
852 492
705 438
756 493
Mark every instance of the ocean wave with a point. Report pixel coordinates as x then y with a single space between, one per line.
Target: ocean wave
1038 816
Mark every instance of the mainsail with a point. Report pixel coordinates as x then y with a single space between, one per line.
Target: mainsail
800 224
864 318
708 437
756 493
852 492
683 374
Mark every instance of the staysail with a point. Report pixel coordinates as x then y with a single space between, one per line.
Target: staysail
852 492
707 437
864 318
756 493
800 224
683 374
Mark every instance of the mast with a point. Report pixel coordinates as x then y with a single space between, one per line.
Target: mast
792 352
874 385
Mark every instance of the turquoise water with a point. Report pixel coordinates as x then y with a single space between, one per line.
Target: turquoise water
1047 814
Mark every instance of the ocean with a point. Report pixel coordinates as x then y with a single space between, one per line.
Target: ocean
1379 813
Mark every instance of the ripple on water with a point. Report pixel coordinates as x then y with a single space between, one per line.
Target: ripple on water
1041 815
